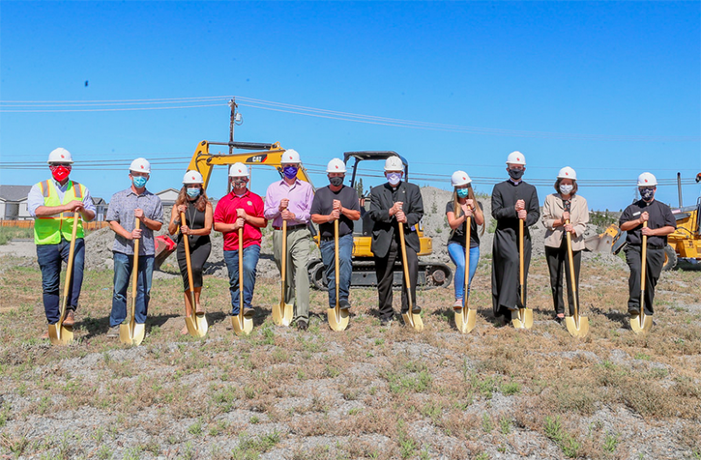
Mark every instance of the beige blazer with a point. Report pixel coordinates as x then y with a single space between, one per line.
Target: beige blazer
579 217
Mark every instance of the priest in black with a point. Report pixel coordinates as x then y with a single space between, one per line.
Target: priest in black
392 204
512 200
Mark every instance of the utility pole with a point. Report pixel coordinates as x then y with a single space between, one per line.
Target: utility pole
232 104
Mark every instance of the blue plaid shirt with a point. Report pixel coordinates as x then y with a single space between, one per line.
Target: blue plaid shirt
121 210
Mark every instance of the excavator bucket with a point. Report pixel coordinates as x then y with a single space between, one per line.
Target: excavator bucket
603 241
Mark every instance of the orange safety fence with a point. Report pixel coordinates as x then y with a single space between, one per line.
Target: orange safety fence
90 226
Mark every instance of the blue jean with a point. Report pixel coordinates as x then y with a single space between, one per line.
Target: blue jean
457 255
50 258
250 261
345 266
123 265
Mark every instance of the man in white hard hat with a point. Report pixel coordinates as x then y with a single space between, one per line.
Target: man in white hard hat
512 200
125 207
53 203
290 199
660 223
240 209
336 202
395 203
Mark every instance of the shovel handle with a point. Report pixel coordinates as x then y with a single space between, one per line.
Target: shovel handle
241 273
520 260
69 268
336 261
188 262
570 258
467 258
135 279
644 262
283 262
407 279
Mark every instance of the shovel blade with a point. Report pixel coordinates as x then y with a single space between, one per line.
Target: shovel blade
241 324
197 325
574 330
125 333
60 334
465 320
139 333
413 320
641 324
338 319
522 318
282 314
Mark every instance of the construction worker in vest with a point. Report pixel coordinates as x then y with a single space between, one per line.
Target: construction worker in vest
53 203
125 208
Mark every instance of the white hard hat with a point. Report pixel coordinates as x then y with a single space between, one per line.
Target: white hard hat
290 156
460 178
192 177
336 166
238 170
60 155
646 179
140 165
516 158
567 173
394 163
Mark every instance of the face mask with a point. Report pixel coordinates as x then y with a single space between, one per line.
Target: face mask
516 174
566 189
139 181
463 192
394 178
647 193
336 181
193 192
239 184
60 173
290 171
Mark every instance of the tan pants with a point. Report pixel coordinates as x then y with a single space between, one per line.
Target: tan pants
296 277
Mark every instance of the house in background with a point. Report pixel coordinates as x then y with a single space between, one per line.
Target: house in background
168 198
100 208
13 202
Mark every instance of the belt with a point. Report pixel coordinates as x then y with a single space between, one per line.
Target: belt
290 227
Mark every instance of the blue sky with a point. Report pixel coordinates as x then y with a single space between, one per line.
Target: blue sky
609 88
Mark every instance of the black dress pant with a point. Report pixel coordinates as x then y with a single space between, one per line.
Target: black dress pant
384 270
559 267
655 261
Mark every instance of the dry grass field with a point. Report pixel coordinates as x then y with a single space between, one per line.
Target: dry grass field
368 392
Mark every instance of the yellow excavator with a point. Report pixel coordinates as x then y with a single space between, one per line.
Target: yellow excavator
431 274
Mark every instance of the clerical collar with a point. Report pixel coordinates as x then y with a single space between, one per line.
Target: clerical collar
515 182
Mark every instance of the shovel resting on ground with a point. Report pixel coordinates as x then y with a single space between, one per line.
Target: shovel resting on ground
58 333
283 312
523 317
466 318
196 323
642 323
577 326
242 325
410 318
338 319
131 332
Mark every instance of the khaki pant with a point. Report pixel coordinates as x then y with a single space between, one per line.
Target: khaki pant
296 277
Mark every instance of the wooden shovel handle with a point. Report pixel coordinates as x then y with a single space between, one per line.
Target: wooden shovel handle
643 250
407 280
336 261
69 268
283 263
570 258
240 272
467 257
520 259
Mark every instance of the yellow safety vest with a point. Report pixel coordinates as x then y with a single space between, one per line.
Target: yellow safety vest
48 230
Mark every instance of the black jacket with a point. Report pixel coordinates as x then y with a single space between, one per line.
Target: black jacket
384 227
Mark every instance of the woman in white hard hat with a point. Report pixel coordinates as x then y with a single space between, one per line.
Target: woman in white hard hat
564 211
457 210
192 200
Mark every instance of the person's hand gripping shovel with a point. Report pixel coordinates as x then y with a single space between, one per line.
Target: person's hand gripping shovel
412 319
58 333
577 326
642 323
523 317
338 319
196 322
242 324
131 332
283 312
466 318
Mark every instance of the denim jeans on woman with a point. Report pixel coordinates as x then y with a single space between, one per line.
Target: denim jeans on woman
457 255
250 261
123 265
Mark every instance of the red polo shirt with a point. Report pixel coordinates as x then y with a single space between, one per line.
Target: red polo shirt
226 213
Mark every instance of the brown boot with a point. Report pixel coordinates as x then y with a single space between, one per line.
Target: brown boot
69 320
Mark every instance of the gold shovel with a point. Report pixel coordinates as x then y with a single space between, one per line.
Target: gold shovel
283 312
338 319
642 323
196 323
523 317
58 333
242 325
466 318
132 333
577 326
412 319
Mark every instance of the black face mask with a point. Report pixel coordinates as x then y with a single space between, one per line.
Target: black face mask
336 181
516 174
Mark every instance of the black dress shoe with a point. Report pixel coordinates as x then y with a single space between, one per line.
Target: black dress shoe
345 305
416 309
302 325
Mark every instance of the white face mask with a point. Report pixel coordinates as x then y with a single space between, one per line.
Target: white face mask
566 189
394 178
